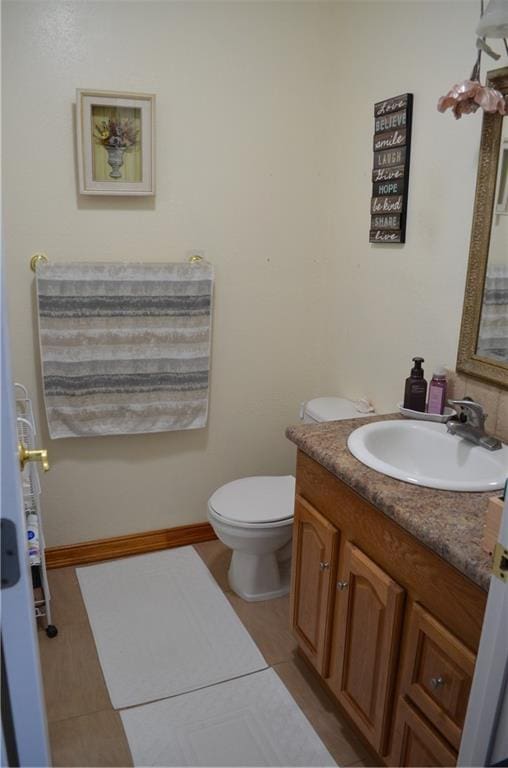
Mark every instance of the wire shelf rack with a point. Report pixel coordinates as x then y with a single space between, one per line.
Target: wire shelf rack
31 489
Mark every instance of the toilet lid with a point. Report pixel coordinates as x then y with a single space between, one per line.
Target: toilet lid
255 499
332 409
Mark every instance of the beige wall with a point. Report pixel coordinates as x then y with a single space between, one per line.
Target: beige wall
388 303
243 93
264 131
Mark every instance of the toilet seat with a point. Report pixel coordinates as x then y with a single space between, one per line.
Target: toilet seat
255 501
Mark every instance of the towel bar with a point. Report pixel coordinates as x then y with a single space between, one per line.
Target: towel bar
39 258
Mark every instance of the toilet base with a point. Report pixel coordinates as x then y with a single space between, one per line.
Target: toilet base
259 577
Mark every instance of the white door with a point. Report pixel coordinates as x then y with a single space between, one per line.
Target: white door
24 727
485 735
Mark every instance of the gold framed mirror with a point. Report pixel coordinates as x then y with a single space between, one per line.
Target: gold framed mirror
483 341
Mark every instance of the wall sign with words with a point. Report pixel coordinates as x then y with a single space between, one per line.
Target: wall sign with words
390 173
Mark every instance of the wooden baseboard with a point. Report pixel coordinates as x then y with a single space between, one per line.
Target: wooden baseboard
132 544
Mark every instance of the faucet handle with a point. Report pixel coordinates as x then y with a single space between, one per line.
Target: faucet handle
472 410
468 404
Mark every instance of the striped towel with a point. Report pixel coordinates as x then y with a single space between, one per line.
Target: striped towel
125 348
493 333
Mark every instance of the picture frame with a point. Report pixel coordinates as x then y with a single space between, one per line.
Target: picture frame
115 142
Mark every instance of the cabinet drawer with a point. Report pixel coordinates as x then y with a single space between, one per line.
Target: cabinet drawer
416 743
437 672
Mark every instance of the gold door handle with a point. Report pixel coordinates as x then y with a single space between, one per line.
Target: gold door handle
26 455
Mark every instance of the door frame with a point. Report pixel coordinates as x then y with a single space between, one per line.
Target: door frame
25 732
485 734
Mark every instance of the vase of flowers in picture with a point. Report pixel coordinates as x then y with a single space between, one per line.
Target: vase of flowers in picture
117 137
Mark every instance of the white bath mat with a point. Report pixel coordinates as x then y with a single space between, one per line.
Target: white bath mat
162 626
248 721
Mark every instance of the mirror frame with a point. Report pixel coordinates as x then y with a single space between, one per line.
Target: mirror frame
468 362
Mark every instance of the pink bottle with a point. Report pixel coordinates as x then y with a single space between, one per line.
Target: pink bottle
437 391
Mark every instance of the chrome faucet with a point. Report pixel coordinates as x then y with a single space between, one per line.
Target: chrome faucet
470 424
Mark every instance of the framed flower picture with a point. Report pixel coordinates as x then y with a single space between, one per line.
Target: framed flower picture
115 139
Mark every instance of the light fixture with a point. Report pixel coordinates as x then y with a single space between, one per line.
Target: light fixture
494 21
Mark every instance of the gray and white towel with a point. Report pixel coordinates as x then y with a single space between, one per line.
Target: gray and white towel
125 348
493 333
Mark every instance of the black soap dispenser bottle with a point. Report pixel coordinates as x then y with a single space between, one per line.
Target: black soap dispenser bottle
415 393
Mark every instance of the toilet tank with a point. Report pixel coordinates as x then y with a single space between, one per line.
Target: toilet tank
334 409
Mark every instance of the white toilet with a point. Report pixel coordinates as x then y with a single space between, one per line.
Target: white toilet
254 515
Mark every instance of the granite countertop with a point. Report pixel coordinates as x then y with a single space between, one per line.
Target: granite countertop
448 522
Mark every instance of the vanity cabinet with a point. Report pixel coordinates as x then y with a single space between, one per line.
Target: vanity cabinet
364 652
315 544
391 628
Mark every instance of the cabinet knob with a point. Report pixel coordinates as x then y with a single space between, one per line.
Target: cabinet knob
342 585
437 682
324 566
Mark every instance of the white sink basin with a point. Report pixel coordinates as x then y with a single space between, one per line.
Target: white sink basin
424 453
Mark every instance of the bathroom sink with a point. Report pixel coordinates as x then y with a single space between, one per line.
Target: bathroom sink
424 453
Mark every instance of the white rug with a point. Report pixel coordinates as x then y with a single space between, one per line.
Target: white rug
162 627
250 721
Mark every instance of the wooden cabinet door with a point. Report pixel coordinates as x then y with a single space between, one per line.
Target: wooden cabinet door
437 673
364 653
315 545
416 743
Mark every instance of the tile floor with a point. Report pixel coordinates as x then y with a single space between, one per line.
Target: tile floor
85 730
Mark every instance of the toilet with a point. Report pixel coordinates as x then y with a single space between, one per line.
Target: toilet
253 516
